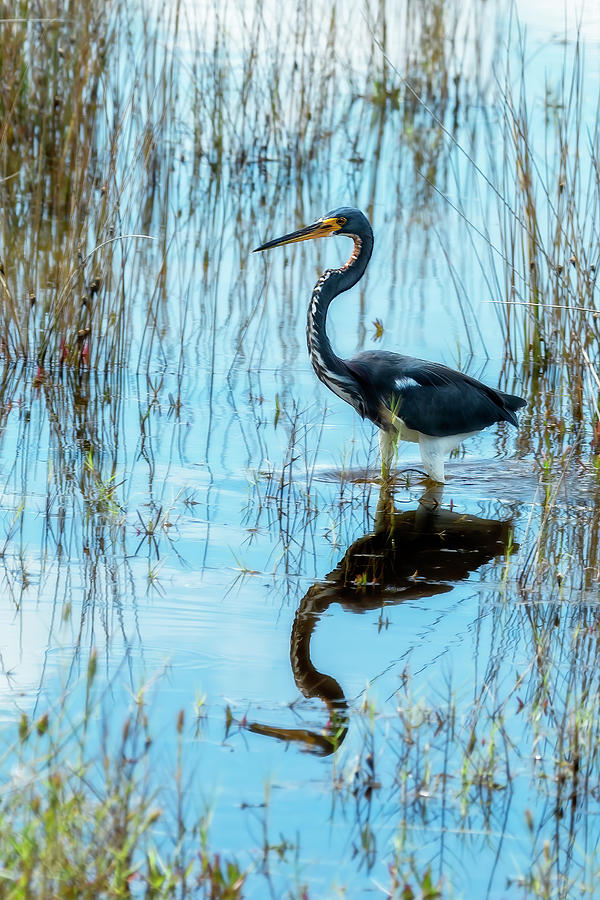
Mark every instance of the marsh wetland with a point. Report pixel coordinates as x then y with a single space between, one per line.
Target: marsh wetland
233 664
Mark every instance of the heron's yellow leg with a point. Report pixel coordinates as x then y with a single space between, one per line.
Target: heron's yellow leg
388 441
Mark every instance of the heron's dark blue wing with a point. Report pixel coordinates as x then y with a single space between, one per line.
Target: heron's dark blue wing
428 397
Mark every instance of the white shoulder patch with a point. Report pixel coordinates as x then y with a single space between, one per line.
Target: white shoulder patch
403 383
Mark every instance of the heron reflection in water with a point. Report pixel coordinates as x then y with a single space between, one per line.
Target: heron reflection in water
409 555
407 398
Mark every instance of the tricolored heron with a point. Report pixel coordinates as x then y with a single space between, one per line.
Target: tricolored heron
408 399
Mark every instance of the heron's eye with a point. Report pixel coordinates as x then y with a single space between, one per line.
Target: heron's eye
341 221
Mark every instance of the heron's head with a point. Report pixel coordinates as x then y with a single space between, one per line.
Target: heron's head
345 220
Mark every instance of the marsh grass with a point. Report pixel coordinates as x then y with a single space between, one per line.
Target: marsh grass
79 816
550 234
117 127
51 100
117 130
550 186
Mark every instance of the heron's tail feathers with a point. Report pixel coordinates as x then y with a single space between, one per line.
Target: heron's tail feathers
510 403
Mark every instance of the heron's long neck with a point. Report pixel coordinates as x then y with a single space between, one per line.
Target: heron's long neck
309 680
330 284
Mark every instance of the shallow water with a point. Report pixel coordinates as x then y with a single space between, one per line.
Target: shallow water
233 566
184 525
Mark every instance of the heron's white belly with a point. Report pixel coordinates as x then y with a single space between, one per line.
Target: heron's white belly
443 445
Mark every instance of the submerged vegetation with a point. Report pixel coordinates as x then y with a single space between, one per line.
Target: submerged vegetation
169 487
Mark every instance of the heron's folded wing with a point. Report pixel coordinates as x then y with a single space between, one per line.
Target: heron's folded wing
428 397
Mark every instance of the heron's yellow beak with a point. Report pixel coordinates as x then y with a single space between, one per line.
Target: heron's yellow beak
320 229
